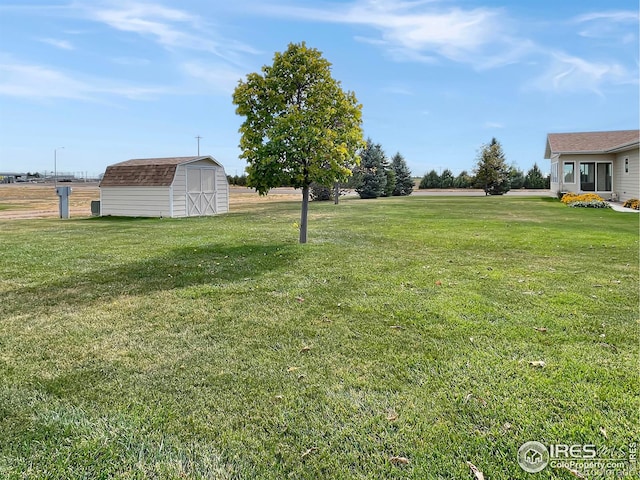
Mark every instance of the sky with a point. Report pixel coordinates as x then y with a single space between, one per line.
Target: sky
113 80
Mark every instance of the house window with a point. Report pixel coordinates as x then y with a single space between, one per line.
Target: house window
626 165
604 171
588 177
568 173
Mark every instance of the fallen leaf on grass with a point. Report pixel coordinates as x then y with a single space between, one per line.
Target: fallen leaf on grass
540 329
575 473
396 327
300 299
309 452
392 416
537 363
506 426
476 471
399 460
603 431
278 397
438 282
608 345
292 369
306 348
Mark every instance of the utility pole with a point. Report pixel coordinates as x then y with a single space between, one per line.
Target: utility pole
198 138
55 165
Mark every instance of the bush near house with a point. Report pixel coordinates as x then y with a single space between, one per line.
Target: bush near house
632 203
590 204
570 197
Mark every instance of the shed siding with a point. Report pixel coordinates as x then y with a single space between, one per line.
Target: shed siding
179 192
222 191
135 201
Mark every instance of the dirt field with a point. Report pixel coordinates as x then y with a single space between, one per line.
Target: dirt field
28 200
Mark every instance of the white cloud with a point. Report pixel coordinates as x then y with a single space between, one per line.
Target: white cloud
568 73
423 30
171 28
218 77
62 44
41 82
621 25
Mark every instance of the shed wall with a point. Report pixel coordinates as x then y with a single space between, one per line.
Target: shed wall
135 201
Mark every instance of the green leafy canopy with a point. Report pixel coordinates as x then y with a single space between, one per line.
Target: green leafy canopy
300 126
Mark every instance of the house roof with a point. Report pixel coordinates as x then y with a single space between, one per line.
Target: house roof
146 172
591 142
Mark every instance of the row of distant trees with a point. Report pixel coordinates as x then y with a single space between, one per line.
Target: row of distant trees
491 174
376 176
534 178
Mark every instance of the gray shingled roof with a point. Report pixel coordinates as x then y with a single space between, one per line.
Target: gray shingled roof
145 172
590 142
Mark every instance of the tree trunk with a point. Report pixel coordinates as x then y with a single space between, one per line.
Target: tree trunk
336 193
303 215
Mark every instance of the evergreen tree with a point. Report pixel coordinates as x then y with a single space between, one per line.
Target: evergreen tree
371 178
391 181
430 180
534 178
404 181
516 177
492 172
446 179
463 180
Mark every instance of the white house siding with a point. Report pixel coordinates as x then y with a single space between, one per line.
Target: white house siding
575 187
627 184
135 201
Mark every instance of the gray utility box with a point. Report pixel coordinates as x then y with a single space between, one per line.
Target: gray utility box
95 208
63 193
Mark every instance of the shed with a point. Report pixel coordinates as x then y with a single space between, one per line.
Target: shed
165 187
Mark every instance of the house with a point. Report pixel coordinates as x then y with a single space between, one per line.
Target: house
606 163
165 187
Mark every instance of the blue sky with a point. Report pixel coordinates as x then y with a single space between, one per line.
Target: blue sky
114 80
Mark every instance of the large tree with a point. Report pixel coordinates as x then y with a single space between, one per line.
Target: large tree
300 126
404 181
492 172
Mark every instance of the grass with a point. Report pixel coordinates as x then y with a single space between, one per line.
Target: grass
220 348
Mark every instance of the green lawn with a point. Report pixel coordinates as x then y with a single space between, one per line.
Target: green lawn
220 348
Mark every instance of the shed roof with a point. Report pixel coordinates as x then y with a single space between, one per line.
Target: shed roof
591 142
146 172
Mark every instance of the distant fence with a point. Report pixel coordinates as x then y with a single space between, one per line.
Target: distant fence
48 176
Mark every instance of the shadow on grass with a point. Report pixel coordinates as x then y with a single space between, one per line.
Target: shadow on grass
213 264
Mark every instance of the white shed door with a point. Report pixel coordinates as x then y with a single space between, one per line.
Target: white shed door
201 191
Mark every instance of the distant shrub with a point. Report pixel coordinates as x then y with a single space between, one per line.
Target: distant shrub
319 192
590 204
632 203
569 198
